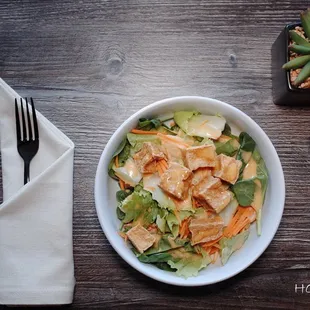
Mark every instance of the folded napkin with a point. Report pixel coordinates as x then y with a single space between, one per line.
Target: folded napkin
36 257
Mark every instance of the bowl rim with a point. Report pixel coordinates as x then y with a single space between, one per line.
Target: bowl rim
97 188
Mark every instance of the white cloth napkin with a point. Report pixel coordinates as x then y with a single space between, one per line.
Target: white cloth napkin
36 257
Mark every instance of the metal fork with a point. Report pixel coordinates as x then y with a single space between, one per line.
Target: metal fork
27 138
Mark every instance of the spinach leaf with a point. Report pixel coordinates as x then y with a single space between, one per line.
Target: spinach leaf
148 124
120 214
122 194
164 266
123 152
244 191
120 147
227 130
111 171
247 144
228 148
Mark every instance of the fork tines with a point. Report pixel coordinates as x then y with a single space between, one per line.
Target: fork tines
27 134
26 126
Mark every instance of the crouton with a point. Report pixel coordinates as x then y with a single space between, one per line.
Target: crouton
227 168
205 227
146 158
213 193
200 156
140 238
176 180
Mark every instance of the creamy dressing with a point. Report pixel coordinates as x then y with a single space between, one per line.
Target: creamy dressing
250 169
246 156
258 196
206 126
205 130
132 169
129 172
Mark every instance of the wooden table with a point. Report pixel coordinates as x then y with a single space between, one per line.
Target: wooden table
91 64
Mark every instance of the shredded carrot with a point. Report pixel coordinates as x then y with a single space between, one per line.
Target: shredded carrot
122 184
169 139
116 162
216 245
144 132
242 218
215 257
213 250
211 243
163 164
184 229
159 168
176 213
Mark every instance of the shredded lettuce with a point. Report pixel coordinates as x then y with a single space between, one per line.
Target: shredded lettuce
188 264
230 245
139 207
167 242
136 141
183 260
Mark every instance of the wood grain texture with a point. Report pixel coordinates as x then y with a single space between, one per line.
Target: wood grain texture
91 64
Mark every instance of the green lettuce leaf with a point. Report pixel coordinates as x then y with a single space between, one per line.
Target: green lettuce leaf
136 141
167 242
188 264
139 207
173 224
259 222
161 221
154 258
230 245
182 117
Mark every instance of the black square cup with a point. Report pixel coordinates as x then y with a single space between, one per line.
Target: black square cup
283 92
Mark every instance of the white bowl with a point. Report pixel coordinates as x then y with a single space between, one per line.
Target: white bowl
105 189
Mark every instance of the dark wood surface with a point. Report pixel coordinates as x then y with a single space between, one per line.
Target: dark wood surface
91 64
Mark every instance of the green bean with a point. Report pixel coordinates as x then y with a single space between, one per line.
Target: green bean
299 49
298 39
303 74
305 21
296 62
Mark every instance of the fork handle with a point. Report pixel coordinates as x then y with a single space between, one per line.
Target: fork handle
26 172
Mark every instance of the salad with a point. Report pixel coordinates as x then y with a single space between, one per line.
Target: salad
191 185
